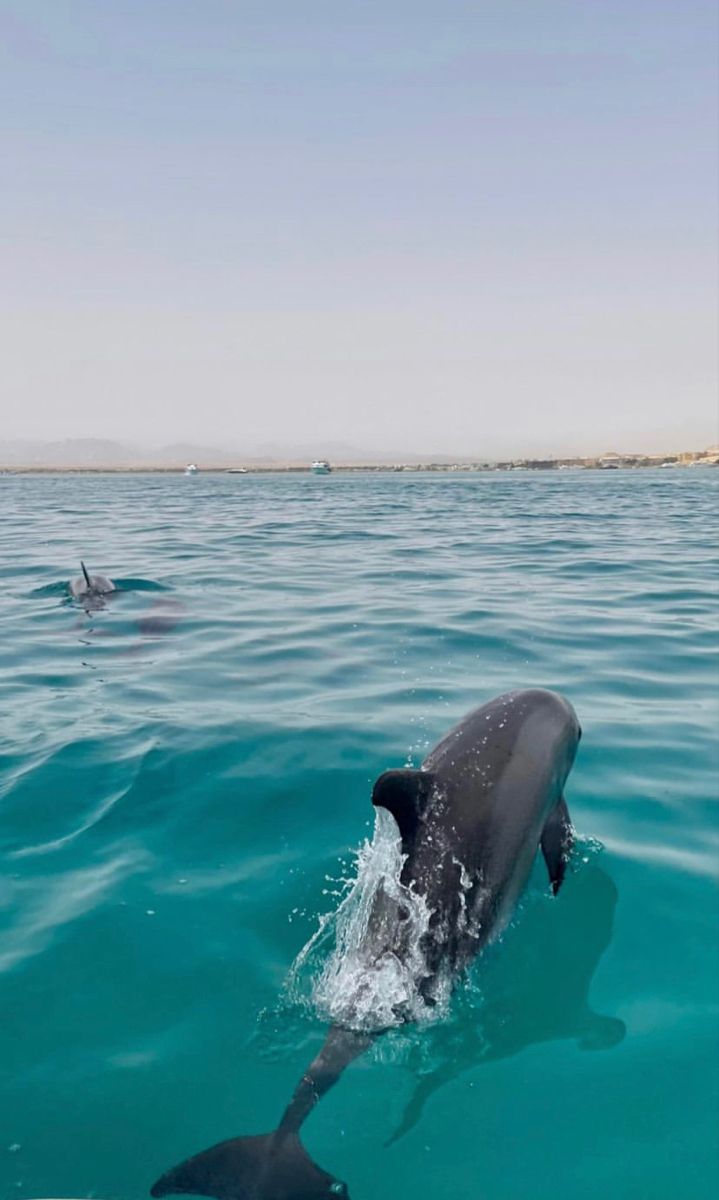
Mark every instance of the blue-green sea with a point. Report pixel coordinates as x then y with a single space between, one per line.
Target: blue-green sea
185 780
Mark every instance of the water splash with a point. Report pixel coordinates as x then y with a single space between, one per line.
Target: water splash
376 974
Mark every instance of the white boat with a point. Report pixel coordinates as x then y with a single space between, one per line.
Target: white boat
321 467
236 471
191 469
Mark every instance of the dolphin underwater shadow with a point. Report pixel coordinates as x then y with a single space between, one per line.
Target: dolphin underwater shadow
535 990
469 824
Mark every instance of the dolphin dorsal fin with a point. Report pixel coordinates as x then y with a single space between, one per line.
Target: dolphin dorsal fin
404 792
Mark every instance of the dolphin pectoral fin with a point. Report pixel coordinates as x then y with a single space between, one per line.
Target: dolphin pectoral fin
404 793
557 840
273 1166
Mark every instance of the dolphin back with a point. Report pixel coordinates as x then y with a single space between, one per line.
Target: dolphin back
90 585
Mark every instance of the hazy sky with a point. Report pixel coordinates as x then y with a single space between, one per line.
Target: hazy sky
480 227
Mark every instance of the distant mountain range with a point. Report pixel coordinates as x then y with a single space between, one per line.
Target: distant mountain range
95 453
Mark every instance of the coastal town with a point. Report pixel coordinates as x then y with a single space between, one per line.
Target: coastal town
611 461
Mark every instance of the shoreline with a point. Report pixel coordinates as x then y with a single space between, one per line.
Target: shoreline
90 458
363 468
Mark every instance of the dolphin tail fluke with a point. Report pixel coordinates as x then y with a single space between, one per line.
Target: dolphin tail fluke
84 571
272 1166
557 841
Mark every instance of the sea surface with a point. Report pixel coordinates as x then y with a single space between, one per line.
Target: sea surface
185 779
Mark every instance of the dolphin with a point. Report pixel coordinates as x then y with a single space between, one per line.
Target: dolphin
90 590
470 821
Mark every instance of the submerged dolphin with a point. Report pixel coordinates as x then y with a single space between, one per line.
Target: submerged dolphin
90 589
539 991
470 821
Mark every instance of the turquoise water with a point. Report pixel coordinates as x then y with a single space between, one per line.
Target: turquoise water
181 798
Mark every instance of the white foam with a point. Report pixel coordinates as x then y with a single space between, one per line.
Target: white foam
372 977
